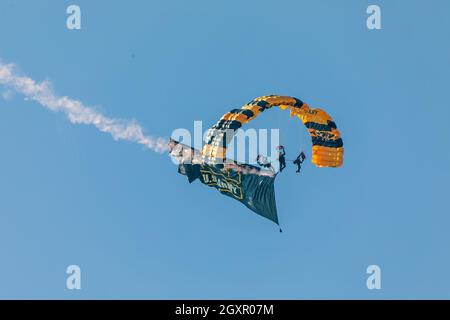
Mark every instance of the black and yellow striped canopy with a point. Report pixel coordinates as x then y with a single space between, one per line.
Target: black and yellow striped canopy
327 145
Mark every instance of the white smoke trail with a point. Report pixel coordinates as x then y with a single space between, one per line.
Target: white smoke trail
76 112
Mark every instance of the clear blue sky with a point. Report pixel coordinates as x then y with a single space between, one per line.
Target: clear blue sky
72 195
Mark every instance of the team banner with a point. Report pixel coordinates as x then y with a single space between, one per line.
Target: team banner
252 189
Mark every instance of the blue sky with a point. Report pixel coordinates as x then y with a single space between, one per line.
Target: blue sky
72 195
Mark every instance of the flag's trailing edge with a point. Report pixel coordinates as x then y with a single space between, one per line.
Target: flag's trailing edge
252 186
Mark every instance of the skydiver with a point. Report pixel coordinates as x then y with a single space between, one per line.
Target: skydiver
299 160
281 158
263 162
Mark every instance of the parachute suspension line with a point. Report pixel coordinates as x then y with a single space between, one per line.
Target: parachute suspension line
302 141
275 160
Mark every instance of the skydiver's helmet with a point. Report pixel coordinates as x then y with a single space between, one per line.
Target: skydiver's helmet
280 147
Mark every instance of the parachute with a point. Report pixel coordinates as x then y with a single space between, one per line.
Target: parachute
251 185
327 145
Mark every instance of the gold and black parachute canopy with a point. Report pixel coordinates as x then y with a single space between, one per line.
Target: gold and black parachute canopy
327 145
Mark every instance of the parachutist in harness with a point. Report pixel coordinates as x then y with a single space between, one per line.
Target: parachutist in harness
299 160
263 162
281 158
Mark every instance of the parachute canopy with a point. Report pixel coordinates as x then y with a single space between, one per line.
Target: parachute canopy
327 145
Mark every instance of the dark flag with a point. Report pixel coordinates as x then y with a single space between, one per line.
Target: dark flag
252 189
